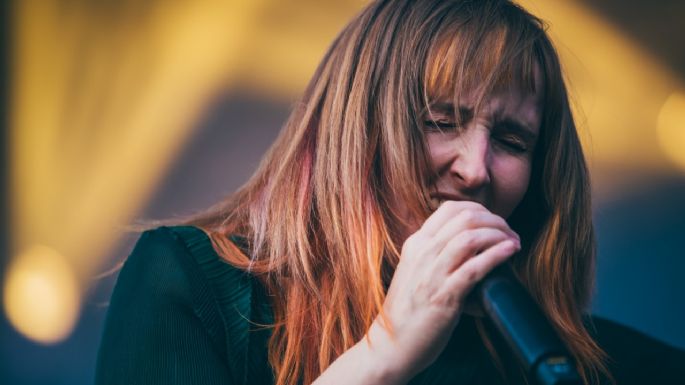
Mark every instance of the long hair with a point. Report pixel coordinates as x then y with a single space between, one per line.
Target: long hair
323 234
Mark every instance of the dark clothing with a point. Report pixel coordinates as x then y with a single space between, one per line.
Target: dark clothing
179 315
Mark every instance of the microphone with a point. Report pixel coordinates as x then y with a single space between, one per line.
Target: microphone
525 328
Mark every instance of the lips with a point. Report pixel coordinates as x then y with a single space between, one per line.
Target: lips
439 198
448 196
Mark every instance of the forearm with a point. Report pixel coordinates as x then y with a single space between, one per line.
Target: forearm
359 366
367 363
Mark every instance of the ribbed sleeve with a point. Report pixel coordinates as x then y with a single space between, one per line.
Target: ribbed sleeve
241 304
163 325
179 314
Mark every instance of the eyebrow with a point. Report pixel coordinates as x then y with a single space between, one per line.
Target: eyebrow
518 128
446 108
511 124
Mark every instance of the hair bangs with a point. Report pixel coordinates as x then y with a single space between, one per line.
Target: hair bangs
468 61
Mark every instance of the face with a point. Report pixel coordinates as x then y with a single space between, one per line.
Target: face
487 156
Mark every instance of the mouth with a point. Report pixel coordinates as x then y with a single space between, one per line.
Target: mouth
439 198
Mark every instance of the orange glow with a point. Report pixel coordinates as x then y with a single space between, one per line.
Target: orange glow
671 128
42 295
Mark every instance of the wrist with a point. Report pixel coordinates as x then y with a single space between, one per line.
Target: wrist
381 349
380 366
370 361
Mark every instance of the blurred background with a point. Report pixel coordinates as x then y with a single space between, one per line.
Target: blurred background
121 110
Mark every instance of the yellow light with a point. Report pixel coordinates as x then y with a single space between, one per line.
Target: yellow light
41 295
671 128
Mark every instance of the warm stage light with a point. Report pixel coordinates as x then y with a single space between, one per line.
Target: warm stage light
41 295
671 128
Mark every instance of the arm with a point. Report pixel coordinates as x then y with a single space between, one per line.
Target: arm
366 363
152 332
440 263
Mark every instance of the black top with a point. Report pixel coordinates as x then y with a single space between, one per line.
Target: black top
179 315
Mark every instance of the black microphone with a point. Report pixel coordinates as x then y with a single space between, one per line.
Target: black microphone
525 328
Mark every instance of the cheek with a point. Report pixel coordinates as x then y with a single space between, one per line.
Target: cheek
439 150
510 178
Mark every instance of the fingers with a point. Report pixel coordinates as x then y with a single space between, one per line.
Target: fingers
469 243
460 243
441 262
469 273
445 212
468 219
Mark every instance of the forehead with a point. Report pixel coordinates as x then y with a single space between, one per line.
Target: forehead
515 104
511 101
456 69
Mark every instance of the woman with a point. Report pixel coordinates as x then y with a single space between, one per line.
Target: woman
434 142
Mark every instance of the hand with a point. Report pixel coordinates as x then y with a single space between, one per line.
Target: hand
440 264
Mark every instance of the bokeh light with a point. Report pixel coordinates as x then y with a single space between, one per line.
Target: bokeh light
110 101
42 295
671 128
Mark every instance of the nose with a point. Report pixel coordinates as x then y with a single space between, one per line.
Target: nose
471 161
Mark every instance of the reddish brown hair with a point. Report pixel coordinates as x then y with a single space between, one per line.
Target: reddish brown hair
324 237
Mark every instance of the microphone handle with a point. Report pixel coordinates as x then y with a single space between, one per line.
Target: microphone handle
525 328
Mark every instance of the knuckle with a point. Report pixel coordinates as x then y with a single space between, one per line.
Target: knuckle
469 240
470 275
407 245
468 217
453 245
474 205
501 221
411 243
450 205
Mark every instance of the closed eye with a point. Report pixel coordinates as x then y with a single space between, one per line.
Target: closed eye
513 143
440 125
514 137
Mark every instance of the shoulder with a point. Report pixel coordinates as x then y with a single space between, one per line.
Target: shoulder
229 301
164 322
160 263
175 269
636 358
153 268
179 263
174 273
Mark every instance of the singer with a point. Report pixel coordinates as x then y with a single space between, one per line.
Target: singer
434 142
